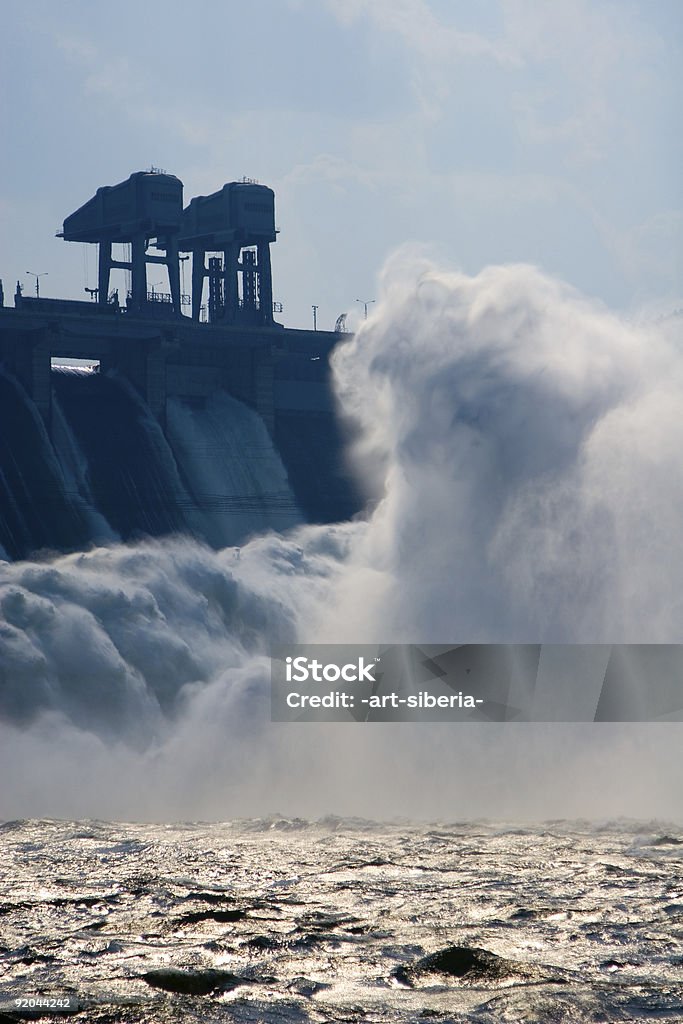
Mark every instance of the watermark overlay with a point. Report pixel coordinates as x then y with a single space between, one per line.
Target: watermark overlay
33 1005
477 683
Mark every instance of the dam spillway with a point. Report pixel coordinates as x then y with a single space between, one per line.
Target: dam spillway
156 368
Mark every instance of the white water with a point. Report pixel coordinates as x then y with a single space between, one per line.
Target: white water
74 469
528 447
235 474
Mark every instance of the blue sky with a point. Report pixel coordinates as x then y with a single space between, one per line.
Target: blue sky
493 131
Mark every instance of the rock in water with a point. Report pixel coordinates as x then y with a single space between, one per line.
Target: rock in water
222 916
193 983
469 964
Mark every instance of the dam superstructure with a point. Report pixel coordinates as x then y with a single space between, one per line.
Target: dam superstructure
236 224
169 345
239 221
145 208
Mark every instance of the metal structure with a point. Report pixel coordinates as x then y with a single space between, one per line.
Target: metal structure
31 273
234 227
365 303
145 208
238 222
216 301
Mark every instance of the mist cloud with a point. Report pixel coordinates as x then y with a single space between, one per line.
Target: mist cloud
523 446
530 449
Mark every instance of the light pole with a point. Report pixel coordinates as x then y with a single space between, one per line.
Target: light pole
315 317
365 303
183 260
37 277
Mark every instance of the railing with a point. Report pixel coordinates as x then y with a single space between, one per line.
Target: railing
164 297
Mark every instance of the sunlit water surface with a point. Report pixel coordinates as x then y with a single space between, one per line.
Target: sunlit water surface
342 920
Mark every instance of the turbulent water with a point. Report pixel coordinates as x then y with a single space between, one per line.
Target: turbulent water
343 920
107 472
523 450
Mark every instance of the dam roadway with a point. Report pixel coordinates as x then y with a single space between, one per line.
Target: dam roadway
270 368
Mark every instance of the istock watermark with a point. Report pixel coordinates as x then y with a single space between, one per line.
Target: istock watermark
365 684
477 683
302 669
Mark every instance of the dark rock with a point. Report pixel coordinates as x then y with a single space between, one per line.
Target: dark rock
611 965
193 983
221 916
468 965
306 987
267 942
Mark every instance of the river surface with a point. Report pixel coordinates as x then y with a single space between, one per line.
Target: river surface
341 920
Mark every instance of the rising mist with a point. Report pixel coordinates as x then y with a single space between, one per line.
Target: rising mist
522 449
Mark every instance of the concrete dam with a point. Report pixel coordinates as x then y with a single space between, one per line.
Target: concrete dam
195 413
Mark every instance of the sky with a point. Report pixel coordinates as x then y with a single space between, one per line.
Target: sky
501 131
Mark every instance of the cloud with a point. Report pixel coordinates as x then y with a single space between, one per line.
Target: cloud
566 62
584 54
414 22
649 253
435 46
132 91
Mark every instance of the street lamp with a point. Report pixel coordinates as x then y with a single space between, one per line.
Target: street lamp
37 277
183 260
365 303
315 317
